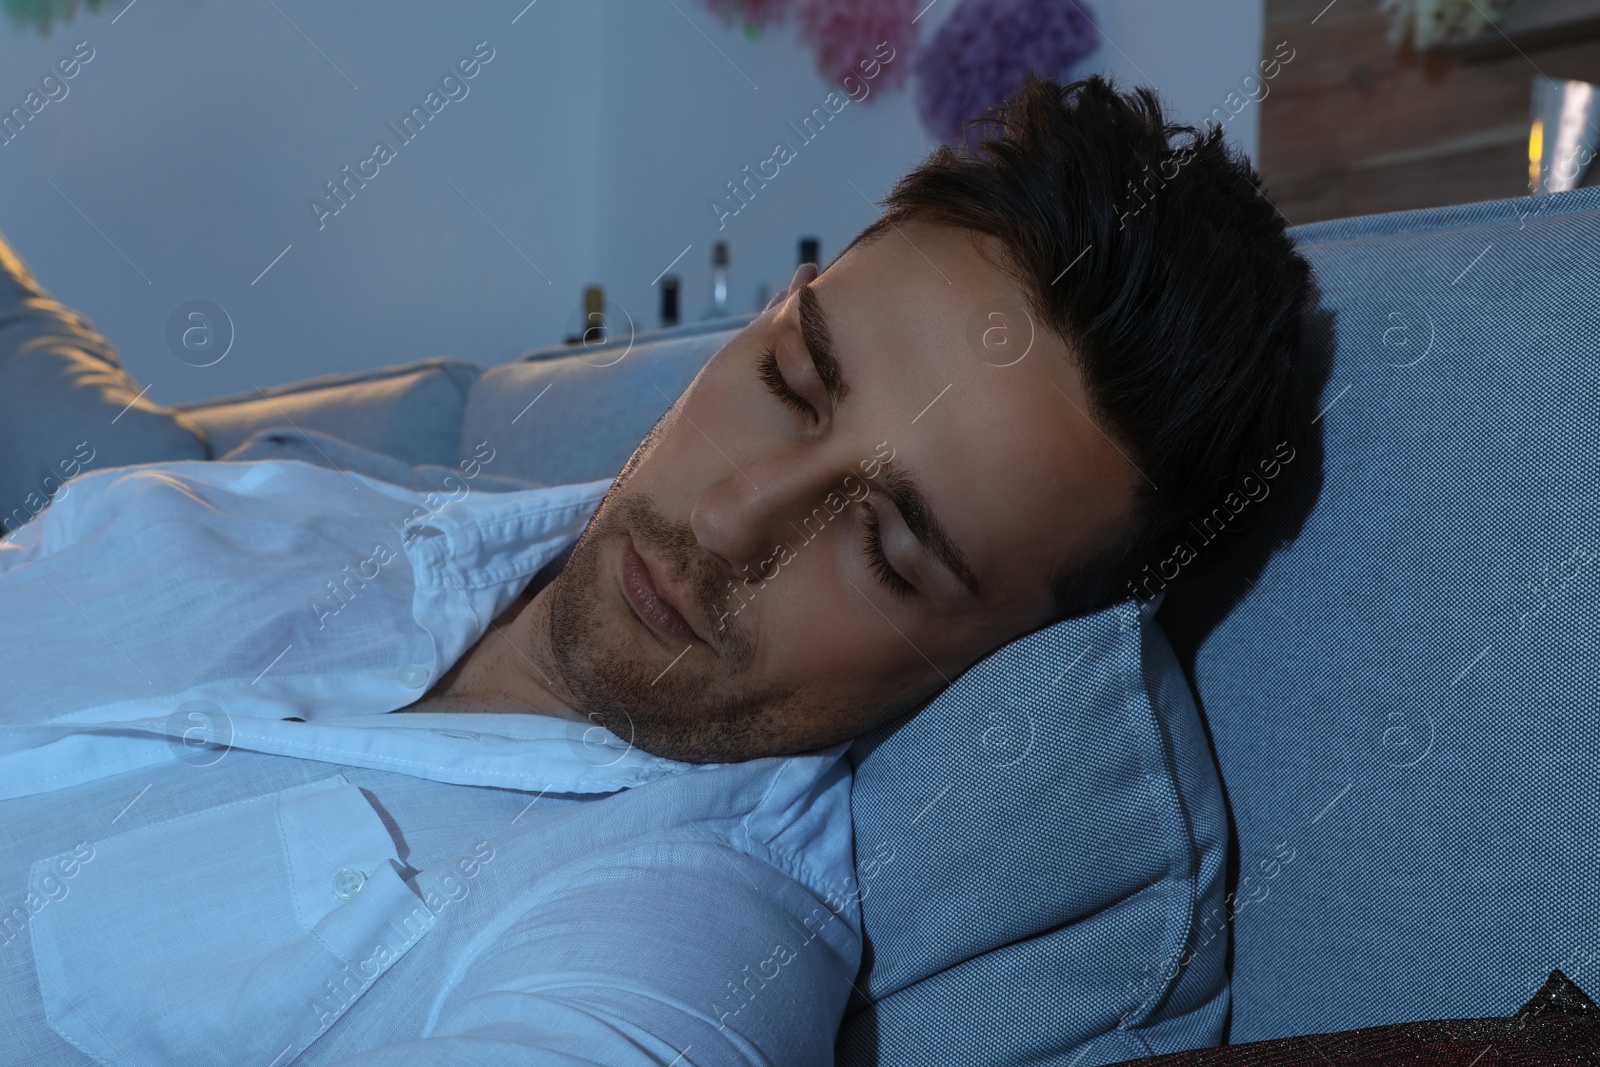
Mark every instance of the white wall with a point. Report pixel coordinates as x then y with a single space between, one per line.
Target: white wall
676 99
589 148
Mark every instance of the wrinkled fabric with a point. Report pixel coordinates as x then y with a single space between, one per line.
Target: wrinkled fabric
188 875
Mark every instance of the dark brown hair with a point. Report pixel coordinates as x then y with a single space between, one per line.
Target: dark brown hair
1184 312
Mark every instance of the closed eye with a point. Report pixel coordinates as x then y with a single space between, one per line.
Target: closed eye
878 560
772 378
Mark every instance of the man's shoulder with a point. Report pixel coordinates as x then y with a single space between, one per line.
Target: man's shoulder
792 812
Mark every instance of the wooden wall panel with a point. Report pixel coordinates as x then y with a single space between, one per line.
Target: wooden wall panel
1353 125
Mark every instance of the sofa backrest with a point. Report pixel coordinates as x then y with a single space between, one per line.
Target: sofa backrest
575 413
1405 698
410 411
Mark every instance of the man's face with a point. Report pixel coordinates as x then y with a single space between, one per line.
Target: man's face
839 529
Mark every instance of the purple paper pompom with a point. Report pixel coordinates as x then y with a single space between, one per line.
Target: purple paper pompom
984 51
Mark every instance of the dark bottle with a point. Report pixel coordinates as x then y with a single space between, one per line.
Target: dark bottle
669 300
594 326
808 252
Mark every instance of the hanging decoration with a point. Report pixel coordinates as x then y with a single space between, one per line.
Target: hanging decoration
984 52
842 33
1433 22
754 14
43 14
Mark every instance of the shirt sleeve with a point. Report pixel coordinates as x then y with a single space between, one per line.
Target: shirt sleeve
679 953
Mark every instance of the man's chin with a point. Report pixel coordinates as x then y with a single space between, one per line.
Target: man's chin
693 746
675 717
621 677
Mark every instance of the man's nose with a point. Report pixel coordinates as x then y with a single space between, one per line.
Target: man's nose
743 517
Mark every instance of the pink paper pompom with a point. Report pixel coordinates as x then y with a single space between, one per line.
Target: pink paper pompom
846 33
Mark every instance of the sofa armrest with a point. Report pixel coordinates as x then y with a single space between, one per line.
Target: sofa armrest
71 404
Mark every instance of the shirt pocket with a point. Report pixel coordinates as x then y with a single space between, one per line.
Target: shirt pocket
236 934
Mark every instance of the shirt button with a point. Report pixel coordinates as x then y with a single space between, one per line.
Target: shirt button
348 882
413 677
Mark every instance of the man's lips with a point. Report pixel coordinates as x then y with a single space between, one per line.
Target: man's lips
649 598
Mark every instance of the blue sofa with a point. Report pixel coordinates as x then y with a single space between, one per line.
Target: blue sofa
1398 669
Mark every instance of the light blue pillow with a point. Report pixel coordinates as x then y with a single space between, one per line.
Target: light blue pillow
1041 853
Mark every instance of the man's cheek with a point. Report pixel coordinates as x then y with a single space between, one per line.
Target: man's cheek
835 633
725 406
674 445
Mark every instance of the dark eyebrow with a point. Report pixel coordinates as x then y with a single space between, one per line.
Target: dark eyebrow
814 332
897 485
925 526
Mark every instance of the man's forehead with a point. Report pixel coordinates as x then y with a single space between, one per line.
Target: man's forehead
913 295
916 251
994 441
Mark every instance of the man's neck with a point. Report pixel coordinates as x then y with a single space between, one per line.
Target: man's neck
510 668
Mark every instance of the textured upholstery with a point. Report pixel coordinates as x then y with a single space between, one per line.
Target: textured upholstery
69 404
1405 700
1037 847
324 450
563 415
411 411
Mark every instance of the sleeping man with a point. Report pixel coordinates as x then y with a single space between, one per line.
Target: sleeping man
618 789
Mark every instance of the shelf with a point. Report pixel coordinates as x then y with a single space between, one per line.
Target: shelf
1528 25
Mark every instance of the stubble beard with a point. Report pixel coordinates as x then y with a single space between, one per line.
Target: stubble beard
691 711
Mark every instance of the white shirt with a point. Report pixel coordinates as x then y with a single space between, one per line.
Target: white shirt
186 876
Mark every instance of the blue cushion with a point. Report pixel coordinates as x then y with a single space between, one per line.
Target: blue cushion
1406 703
1036 849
